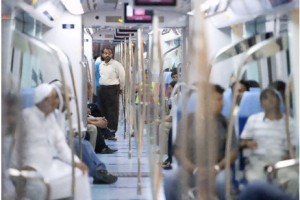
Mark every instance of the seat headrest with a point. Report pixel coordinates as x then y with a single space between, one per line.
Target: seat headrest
168 77
227 99
27 97
190 105
250 103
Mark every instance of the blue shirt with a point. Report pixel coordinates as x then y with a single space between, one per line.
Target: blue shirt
97 72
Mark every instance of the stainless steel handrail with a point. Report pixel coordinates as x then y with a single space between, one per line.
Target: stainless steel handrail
30 175
59 55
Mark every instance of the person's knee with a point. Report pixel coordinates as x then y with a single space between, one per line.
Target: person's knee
92 129
220 184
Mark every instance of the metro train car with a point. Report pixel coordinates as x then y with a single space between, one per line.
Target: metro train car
150 99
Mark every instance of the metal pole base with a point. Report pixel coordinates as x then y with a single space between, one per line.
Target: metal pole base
139 189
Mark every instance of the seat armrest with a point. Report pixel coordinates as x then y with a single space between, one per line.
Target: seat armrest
271 170
26 174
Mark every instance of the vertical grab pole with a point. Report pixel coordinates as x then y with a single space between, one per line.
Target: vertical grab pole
126 86
143 107
287 118
131 95
158 102
66 100
205 134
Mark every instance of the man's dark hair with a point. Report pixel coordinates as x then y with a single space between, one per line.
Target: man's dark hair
174 72
173 83
219 89
107 48
278 85
243 82
253 84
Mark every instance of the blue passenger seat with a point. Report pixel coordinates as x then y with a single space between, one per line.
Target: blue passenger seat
27 97
227 98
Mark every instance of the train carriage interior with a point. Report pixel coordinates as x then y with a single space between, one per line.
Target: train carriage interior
150 99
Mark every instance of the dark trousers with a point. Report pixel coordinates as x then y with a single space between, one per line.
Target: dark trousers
170 146
100 142
108 100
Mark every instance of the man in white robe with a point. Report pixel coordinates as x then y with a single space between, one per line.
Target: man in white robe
46 151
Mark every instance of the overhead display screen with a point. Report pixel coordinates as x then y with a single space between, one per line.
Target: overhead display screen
137 15
155 2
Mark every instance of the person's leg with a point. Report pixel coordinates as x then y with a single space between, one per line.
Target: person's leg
220 185
92 130
170 145
113 108
163 133
172 185
100 142
89 156
262 190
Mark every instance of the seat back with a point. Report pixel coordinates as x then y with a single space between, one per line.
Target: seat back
249 105
27 97
227 99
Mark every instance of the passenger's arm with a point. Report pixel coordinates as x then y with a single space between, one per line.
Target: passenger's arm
233 156
184 161
247 136
64 151
99 122
82 167
248 144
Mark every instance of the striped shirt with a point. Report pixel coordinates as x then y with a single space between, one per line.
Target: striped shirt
270 136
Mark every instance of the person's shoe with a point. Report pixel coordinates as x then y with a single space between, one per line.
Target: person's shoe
113 138
108 150
103 177
167 164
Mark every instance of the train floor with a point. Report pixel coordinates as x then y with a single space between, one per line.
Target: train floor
126 169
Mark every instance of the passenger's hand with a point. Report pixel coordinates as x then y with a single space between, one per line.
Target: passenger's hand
252 144
82 167
102 122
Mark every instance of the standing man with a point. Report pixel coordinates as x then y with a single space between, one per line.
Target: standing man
112 83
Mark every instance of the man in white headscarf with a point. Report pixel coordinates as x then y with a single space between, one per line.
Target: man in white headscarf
46 151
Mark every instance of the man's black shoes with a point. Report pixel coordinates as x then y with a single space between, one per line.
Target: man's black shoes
103 177
107 150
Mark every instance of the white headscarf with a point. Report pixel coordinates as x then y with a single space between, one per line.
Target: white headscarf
41 92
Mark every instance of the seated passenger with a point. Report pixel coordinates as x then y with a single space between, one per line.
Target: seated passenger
11 111
174 74
100 123
265 135
187 162
97 169
165 126
261 190
96 119
242 87
44 149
